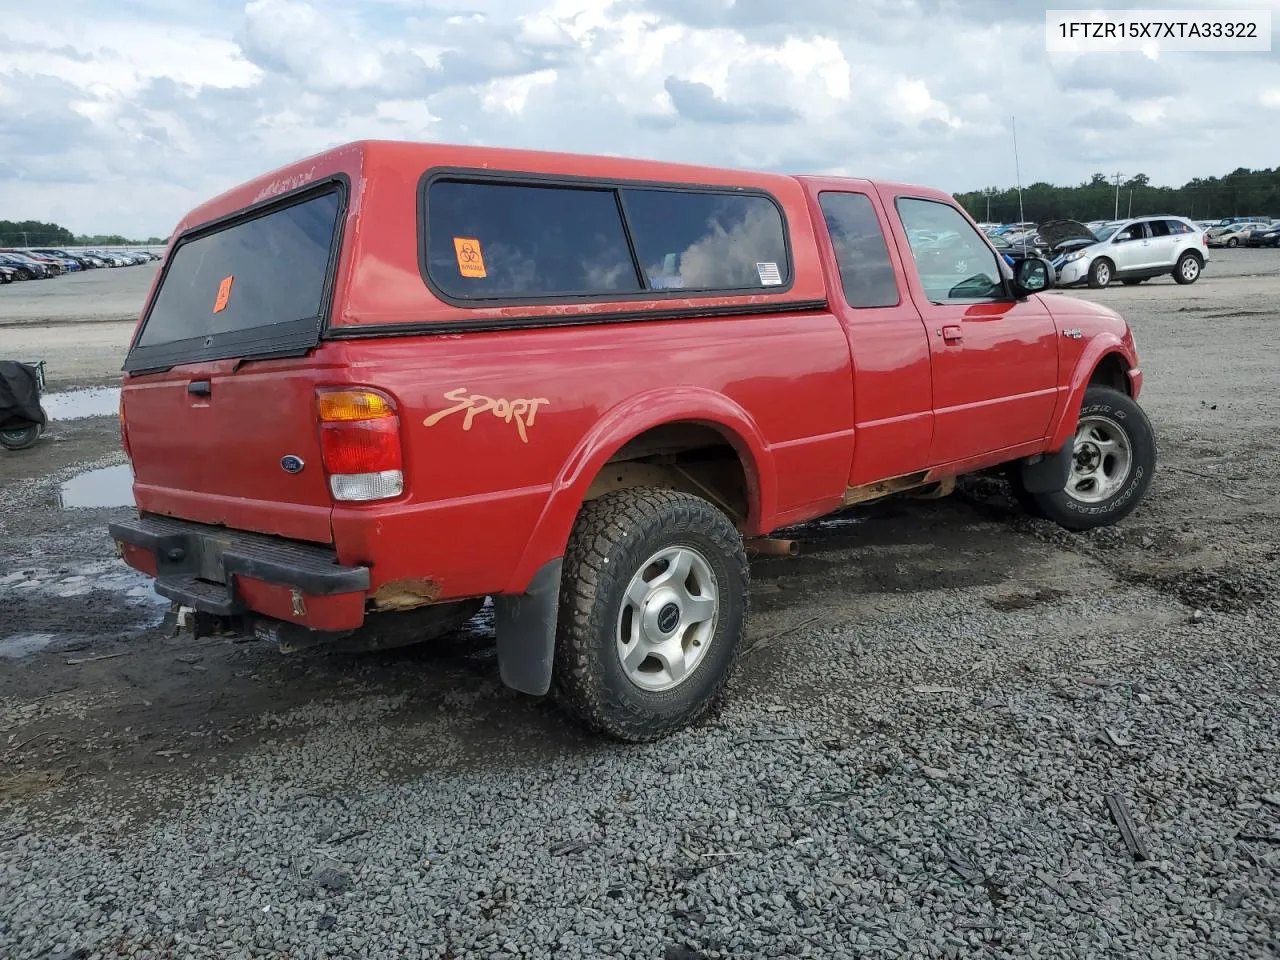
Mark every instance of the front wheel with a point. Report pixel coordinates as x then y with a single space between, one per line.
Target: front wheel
653 605
1113 460
1233 242
1188 269
1099 273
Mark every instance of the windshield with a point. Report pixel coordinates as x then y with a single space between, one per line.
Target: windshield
1105 233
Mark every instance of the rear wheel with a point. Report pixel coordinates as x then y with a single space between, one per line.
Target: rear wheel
1100 273
21 438
1113 459
1188 268
653 605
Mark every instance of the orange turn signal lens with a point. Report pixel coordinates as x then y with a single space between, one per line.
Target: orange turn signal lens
347 405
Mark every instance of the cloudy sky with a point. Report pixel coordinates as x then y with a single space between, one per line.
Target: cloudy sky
117 117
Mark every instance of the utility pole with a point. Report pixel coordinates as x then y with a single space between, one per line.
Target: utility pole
1130 213
1117 213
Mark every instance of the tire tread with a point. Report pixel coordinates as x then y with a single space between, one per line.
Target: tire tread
601 531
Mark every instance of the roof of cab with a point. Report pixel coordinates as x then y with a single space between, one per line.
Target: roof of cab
383 227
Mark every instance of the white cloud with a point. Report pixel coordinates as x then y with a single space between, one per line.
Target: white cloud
124 116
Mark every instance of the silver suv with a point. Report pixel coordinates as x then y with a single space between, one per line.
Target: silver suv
1128 250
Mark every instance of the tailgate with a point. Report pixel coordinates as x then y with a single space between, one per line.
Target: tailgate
210 445
219 405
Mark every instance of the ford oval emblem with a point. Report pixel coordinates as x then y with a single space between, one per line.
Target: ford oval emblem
291 464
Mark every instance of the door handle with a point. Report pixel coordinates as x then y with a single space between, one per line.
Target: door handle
199 388
951 333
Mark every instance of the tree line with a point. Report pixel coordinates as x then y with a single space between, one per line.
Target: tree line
34 233
1240 193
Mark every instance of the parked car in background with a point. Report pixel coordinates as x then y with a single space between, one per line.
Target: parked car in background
28 268
80 259
1232 221
1131 251
1267 235
1017 249
8 274
1231 235
56 266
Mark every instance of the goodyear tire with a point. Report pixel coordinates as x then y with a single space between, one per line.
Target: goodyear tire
1101 273
653 605
1188 268
1114 458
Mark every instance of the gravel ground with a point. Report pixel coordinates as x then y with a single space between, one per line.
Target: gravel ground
915 760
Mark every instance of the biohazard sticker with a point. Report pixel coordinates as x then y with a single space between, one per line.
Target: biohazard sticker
470 257
224 294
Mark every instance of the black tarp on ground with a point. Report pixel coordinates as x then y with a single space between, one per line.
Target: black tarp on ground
19 396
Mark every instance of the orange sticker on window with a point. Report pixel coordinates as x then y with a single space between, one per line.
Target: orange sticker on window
470 257
224 294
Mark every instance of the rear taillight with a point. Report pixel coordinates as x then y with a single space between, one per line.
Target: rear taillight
124 433
360 444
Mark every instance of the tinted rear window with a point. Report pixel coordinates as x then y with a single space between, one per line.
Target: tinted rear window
502 241
688 240
499 241
259 273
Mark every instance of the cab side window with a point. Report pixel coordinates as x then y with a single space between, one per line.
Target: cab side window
866 273
952 260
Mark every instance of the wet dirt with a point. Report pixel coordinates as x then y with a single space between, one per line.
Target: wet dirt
96 694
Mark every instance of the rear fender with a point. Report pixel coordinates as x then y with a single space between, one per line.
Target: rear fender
624 423
1099 347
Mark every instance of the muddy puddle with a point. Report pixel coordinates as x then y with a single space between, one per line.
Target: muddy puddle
104 487
81 404
24 645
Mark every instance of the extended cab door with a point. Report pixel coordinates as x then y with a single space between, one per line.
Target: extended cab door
994 358
892 390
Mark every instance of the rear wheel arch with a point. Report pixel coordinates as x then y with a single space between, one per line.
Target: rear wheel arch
684 447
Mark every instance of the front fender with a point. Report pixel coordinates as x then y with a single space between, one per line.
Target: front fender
1099 347
625 422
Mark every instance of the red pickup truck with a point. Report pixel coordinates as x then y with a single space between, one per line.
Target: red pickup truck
396 379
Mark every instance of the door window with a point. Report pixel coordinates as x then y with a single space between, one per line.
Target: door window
1132 232
866 273
952 260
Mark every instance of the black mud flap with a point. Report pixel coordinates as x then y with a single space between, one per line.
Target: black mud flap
526 628
1047 472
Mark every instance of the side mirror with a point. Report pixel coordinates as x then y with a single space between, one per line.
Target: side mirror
1033 275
